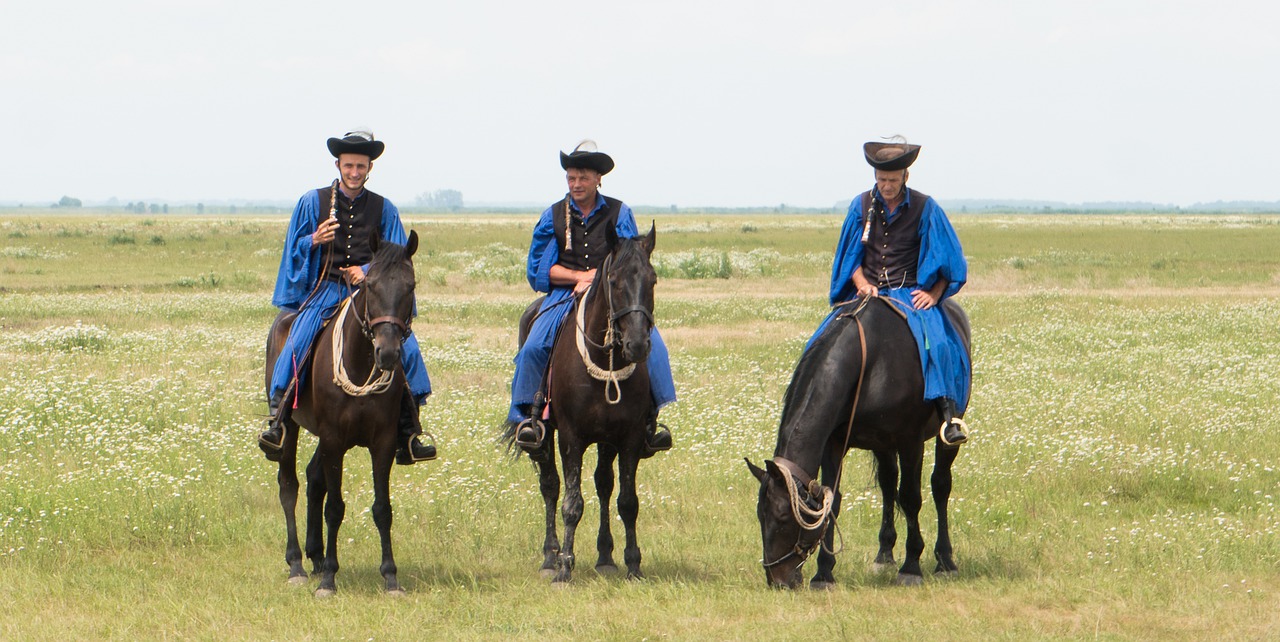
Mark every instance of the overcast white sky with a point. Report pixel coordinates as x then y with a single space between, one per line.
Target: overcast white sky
726 103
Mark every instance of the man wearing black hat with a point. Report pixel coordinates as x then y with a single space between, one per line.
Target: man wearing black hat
897 243
570 242
326 252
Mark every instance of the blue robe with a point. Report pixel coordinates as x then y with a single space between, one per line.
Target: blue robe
943 358
300 267
531 360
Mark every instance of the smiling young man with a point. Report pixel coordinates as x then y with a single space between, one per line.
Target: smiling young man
326 252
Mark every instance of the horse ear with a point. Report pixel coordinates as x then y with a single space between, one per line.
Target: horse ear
773 469
650 239
412 245
757 471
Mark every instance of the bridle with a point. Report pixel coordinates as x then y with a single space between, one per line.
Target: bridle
612 337
808 518
367 327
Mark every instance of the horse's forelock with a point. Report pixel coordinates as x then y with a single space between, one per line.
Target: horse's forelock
388 254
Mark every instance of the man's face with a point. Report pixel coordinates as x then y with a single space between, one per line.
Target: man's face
354 169
891 183
583 183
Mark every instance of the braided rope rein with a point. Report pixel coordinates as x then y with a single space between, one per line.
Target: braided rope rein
611 377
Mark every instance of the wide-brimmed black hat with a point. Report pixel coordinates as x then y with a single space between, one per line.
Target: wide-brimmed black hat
357 142
890 156
585 156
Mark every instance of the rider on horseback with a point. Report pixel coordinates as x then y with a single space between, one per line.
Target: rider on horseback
897 243
570 242
324 261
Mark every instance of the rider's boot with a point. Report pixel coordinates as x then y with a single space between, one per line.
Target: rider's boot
271 441
952 431
657 437
531 431
411 450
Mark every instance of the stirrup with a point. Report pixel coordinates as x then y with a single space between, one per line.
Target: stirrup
960 425
405 456
535 424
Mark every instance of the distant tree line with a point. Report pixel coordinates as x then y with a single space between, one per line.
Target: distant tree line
441 199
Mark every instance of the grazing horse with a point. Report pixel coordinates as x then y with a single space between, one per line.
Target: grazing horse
859 385
362 343
599 394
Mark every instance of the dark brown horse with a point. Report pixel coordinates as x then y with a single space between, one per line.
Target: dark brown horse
599 394
344 413
867 357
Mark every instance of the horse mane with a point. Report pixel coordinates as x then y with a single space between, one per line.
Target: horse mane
388 253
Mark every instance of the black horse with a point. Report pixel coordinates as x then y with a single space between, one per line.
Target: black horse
867 357
599 394
369 331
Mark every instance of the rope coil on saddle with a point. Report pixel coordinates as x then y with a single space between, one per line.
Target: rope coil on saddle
371 385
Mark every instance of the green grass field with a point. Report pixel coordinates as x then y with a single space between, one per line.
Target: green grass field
1120 484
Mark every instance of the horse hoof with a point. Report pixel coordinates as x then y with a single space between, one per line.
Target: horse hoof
607 570
396 593
908 580
882 567
945 574
547 573
821 586
636 576
325 593
298 580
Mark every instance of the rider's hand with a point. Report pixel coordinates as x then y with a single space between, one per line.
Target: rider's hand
922 299
325 232
868 291
584 281
353 275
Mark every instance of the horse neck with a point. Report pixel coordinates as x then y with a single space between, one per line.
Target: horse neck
596 315
357 350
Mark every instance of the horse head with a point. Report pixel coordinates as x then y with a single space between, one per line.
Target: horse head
629 281
387 294
794 512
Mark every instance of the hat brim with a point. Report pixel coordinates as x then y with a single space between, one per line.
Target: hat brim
596 161
901 161
370 148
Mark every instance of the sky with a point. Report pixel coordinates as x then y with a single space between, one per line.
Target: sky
701 103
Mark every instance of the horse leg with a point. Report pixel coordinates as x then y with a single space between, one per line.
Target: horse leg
315 513
382 513
334 510
287 478
941 483
571 507
604 491
823 578
912 462
887 477
549 484
628 510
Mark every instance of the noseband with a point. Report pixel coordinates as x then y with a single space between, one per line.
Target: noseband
810 520
367 327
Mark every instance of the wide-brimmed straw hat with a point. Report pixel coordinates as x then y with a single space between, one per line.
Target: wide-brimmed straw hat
585 156
890 156
357 142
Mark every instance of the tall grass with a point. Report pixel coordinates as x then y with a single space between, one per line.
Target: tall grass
1120 484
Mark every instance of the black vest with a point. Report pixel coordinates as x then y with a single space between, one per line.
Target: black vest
589 240
891 252
358 222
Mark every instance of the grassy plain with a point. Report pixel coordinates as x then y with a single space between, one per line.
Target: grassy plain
1121 483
